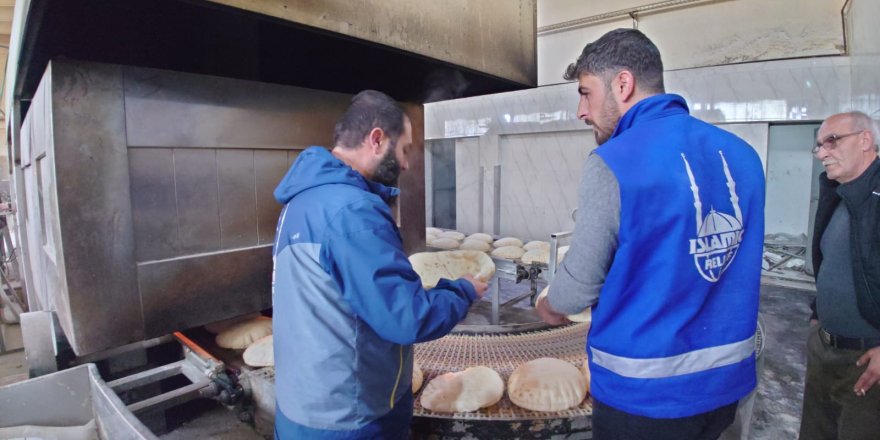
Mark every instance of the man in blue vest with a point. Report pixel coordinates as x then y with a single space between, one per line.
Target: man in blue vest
666 250
347 304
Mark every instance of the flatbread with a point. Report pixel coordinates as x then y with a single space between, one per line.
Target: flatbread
560 253
585 370
219 326
537 245
261 353
455 235
508 252
547 384
452 265
481 236
432 231
508 241
464 391
475 245
537 255
417 377
584 316
240 335
444 243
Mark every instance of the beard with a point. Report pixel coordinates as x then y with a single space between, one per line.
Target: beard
607 121
388 170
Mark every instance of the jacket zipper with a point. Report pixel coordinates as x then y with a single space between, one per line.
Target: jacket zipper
397 382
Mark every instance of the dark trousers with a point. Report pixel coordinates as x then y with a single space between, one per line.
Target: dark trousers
612 424
831 408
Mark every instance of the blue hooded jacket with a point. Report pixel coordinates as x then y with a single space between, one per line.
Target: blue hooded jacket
347 306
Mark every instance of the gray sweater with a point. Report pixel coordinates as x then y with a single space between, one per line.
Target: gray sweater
582 273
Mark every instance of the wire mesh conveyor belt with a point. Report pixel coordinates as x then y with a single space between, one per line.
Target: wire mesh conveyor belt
503 353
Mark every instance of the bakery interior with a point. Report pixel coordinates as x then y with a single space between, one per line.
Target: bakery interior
126 121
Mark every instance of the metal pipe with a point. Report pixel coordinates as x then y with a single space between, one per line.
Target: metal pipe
845 30
630 12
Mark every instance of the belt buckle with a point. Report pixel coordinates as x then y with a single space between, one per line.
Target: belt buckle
826 337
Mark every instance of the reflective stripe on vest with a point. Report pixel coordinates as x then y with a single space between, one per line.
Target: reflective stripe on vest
685 363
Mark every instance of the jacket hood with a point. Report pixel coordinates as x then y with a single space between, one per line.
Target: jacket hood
316 166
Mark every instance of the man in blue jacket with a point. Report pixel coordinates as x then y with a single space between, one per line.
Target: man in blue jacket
347 304
666 249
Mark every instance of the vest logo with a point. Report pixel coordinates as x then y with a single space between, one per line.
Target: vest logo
718 234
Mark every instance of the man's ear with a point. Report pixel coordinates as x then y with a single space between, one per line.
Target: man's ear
374 140
624 86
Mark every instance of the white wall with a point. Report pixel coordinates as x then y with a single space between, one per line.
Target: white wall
698 34
789 177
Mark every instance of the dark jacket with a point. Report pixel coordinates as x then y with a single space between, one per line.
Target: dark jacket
862 198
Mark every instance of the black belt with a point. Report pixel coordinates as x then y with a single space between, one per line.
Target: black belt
846 343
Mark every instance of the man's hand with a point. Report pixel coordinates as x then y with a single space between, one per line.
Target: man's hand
871 358
479 286
542 306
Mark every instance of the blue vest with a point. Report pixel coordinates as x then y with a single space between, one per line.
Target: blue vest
673 331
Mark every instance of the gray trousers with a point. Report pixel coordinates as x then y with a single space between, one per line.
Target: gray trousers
831 408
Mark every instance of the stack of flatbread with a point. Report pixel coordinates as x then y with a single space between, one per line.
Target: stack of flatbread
509 248
452 265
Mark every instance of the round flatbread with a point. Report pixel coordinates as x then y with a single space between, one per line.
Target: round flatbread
219 326
432 231
508 252
537 245
560 253
452 265
584 316
240 335
417 377
261 353
444 243
481 236
475 245
455 235
546 384
585 370
537 255
464 391
508 241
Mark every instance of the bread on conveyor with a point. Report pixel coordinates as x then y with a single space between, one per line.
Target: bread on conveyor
261 353
463 391
455 235
508 241
537 245
481 236
508 252
240 335
475 245
444 243
417 377
547 384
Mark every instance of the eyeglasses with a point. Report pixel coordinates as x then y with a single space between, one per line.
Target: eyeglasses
830 141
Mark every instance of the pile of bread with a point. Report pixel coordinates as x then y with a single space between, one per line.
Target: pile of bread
251 333
510 248
544 384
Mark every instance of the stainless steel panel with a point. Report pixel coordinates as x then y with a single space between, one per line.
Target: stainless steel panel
238 198
497 37
271 167
195 179
95 235
184 292
170 109
153 203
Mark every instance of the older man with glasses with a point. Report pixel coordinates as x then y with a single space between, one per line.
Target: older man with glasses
841 400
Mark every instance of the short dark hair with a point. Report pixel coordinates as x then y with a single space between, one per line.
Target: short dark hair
369 109
621 49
